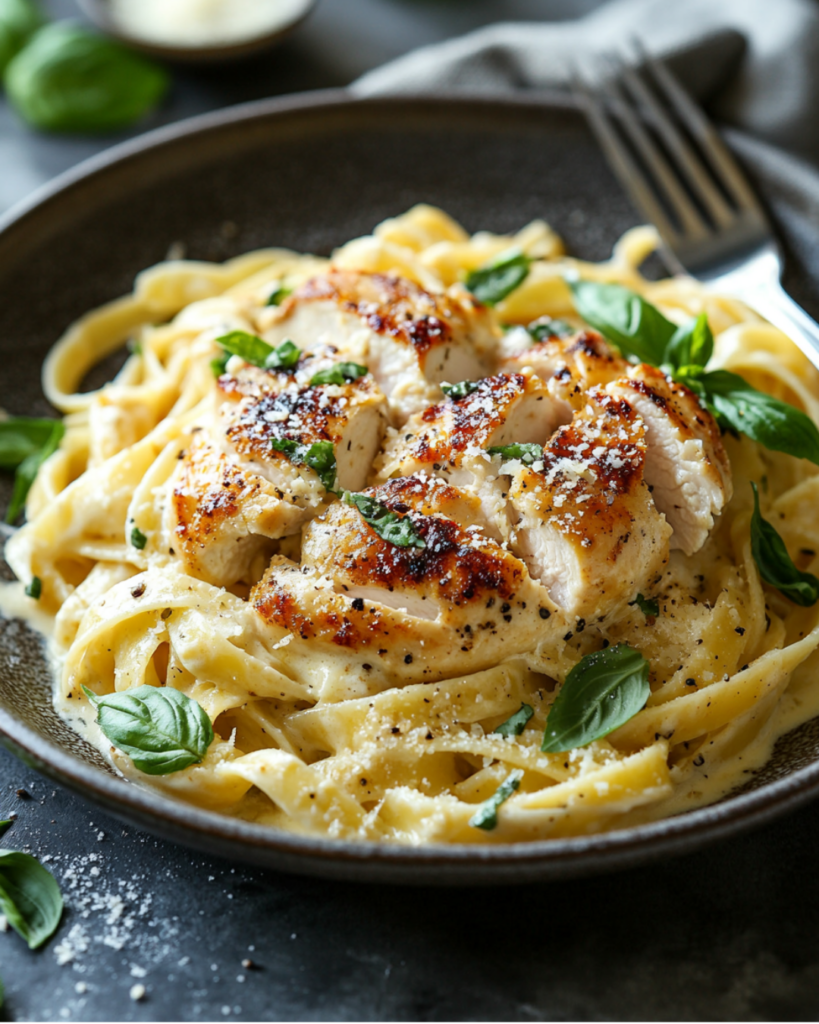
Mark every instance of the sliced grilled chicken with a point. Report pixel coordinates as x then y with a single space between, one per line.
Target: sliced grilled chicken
457 605
587 526
410 339
686 465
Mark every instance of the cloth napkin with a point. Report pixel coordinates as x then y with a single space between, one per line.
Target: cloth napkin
753 63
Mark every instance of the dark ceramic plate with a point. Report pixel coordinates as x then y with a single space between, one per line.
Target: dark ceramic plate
310 173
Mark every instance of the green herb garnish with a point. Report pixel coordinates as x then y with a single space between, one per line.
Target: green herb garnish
602 692
775 564
492 283
278 295
487 816
398 530
650 607
138 538
319 456
257 352
218 365
462 390
25 444
161 729
547 327
35 589
340 373
29 897
527 453
515 725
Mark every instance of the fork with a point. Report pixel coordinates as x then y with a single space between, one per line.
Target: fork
691 188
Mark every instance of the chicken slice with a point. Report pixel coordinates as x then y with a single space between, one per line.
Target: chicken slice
410 339
686 465
587 526
457 605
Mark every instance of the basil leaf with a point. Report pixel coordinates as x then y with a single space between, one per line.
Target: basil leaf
29 897
691 345
389 526
27 470
252 349
69 80
649 607
161 729
775 564
21 436
319 456
546 327
487 817
19 20
602 692
499 278
219 364
278 295
771 422
635 326
340 373
138 539
515 725
527 453
3 826
35 589
285 357
462 390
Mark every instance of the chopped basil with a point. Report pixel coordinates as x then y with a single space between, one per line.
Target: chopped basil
487 816
161 729
462 390
138 538
29 897
219 364
650 607
775 564
492 283
257 352
319 456
527 453
547 327
35 589
340 373
602 692
395 529
278 295
515 725
25 444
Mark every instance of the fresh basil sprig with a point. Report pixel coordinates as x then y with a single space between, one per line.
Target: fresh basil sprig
776 565
492 283
602 692
395 529
487 816
257 352
25 444
29 897
547 327
635 326
278 295
650 607
161 729
340 373
527 453
319 456
461 390
515 724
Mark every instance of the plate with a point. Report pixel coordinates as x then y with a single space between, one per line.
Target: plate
310 173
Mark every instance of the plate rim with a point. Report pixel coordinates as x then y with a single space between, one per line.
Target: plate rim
445 864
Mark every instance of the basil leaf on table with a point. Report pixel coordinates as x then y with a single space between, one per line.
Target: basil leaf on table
320 457
461 390
602 692
776 565
3 826
69 80
395 529
30 464
650 607
527 453
487 817
29 897
161 729
340 373
19 20
515 724
492 283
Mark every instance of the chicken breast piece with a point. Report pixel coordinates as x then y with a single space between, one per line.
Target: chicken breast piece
410 339
587 527
459 604
686 467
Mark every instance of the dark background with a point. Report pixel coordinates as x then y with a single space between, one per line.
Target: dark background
728 933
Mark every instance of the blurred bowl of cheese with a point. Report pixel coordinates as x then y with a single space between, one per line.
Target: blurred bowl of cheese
198 31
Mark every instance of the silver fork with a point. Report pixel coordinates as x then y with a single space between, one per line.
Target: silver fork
708 217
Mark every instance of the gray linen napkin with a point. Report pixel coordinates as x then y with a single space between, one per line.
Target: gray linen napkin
754 62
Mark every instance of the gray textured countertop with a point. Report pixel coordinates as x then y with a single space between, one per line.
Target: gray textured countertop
728 933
